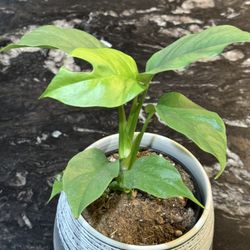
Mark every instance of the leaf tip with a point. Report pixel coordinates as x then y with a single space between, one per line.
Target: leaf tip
196 201
77 212
222 167
202 206
76 215
52 196
49 200
218 174
43 95
4 49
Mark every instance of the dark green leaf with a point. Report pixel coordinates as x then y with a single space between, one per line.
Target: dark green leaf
112 82
86 177
203 127
49 36
193 47
157 176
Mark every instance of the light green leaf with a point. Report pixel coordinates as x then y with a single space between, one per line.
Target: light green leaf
158 177
193 47
86 177
57 187
49 36
203 127
112 82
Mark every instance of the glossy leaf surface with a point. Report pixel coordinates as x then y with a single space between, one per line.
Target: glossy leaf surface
112 82
191 48
86 177
49 36
203 127
158 177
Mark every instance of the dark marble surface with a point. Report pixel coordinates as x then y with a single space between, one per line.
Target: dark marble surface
38 137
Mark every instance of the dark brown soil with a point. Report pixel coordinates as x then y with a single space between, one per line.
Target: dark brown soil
141 219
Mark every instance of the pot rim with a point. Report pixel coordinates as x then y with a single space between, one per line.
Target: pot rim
168 245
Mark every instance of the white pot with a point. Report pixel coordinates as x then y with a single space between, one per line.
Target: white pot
77 234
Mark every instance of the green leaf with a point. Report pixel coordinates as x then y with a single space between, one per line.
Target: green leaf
57 187
150 108
203 127
49 36
86 177
193 47
158 177
112 82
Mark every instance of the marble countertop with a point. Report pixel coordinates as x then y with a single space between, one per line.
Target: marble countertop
37 138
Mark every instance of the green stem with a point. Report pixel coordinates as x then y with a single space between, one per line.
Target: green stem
134 115
137 105
123 142
136 143
127 127
132 122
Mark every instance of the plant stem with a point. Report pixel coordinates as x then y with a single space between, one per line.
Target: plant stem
127 127
124 146
136 143
132 121
134 115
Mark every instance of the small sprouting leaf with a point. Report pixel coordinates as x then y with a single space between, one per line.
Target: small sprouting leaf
86 177
57 187
49 36
191 48
150 108
158 177
203 127
112 82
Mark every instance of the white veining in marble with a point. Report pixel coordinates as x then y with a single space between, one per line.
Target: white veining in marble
245 123
192 4
233 55
231 196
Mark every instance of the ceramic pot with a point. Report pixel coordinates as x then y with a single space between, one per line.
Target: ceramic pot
77 234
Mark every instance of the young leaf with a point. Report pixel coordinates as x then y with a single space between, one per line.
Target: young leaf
157 176
193 47
112 82
150 108
49 36
203 127
86 177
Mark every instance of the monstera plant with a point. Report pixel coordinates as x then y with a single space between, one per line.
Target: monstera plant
116 82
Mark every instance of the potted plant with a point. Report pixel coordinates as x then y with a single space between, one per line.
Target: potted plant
113 83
